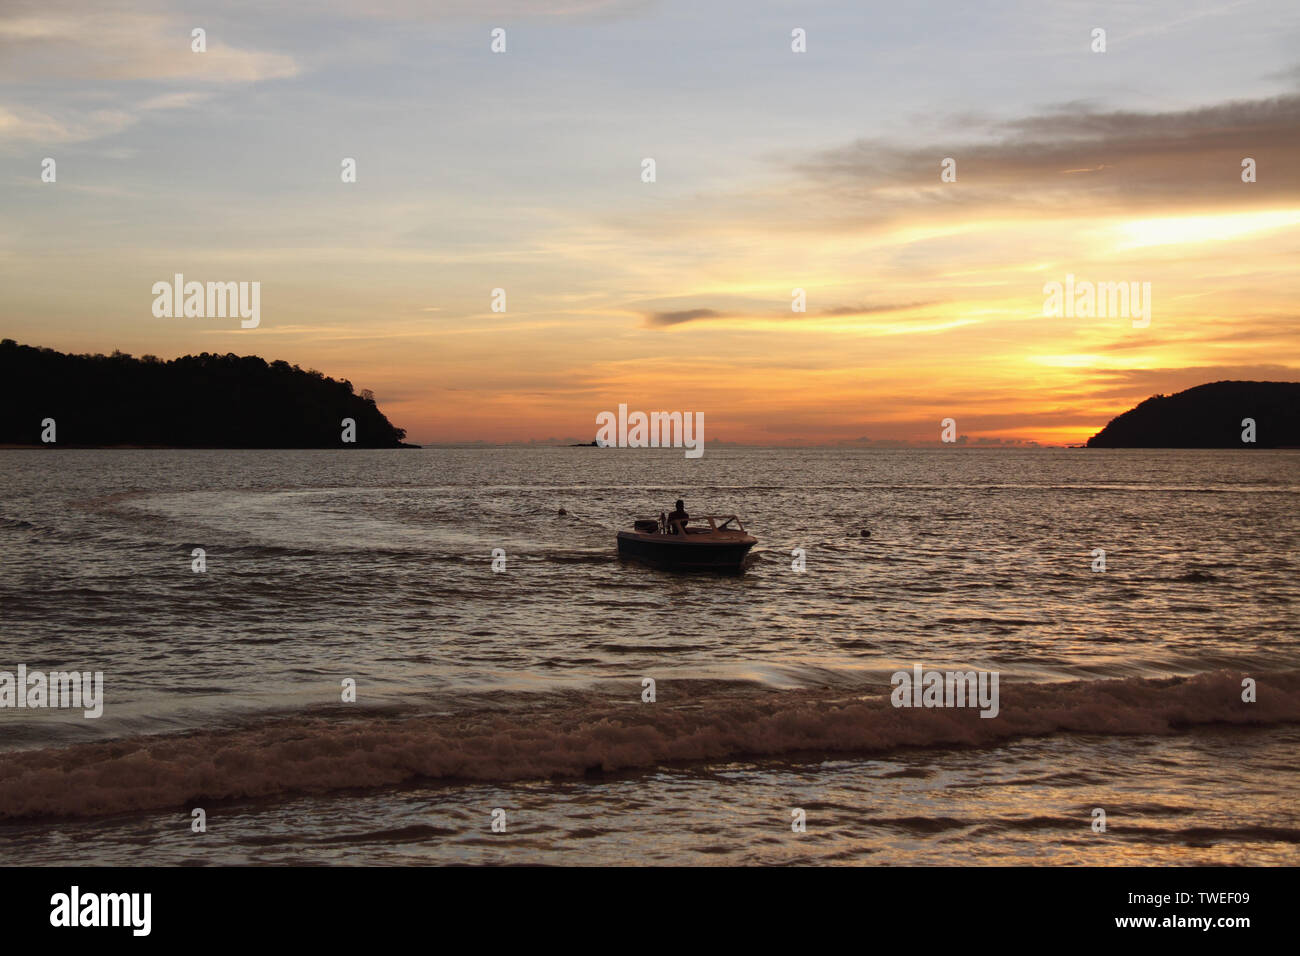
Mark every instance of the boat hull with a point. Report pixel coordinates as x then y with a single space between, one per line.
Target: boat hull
686 553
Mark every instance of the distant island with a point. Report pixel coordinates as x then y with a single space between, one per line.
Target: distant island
196 401
1210 416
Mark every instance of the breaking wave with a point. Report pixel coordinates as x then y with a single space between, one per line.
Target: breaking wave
580 733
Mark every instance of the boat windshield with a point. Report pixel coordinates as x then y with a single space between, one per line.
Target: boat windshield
715 524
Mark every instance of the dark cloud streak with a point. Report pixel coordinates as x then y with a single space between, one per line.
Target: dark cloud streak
1133 159
666 319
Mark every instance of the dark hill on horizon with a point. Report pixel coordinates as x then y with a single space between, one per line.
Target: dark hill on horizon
196 401
1209 416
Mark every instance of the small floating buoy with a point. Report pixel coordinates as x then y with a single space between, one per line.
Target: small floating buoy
563 512
866 533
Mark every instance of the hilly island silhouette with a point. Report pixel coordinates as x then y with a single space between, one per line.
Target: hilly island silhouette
196 401
1210 416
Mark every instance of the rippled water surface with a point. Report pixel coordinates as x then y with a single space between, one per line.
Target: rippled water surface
377 566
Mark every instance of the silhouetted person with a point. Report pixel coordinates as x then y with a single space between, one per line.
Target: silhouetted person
678 515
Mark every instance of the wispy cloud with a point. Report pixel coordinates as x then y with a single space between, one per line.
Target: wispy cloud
48 48
1071 154
866 309
19 124
61 40
680 317
661 319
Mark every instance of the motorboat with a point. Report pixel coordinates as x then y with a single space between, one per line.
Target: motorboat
712 543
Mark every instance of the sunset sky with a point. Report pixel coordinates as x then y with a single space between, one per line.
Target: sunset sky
775 170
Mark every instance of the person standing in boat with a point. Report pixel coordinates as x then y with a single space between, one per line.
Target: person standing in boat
678 515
